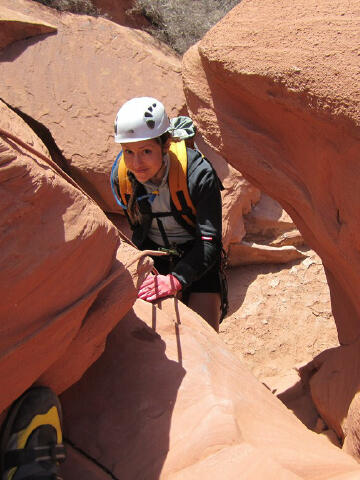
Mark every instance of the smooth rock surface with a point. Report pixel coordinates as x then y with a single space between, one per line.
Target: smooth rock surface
334 381
261 87
58 254
277 83
177 404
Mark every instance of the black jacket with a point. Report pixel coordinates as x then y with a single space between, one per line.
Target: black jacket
204 188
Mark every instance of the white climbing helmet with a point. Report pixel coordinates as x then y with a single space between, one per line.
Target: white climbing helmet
139 119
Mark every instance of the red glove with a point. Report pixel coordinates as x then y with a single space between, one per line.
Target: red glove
157 286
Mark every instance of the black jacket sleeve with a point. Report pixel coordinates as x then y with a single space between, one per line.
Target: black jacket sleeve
204 189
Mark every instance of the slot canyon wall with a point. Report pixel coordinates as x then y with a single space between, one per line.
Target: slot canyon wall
162 396
273 88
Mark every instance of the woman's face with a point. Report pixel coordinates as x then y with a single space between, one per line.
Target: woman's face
144 159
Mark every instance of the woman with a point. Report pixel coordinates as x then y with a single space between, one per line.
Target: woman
171 197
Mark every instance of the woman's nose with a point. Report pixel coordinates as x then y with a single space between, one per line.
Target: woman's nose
137 159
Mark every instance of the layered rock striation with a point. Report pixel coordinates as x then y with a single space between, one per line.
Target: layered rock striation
176 404
60 259
274 89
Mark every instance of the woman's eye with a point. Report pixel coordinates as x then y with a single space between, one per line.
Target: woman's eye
128 152
147 151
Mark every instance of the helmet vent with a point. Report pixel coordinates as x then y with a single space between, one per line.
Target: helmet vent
150 123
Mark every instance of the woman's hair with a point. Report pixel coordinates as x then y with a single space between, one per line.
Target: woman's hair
133 207
163 139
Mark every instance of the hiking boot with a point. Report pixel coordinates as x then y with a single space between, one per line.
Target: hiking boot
31 439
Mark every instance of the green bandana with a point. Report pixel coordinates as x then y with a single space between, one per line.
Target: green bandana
182 128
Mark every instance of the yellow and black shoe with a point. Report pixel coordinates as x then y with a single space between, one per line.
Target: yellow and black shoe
31 445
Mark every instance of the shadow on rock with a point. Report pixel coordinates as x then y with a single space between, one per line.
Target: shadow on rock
119 414
14 51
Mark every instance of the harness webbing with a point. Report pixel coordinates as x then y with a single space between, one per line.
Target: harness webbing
162 232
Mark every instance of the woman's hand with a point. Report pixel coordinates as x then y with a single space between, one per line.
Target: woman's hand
158 286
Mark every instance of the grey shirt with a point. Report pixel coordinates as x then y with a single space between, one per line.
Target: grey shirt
161 203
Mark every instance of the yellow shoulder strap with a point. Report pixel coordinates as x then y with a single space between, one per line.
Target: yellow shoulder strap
125 186
178 178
